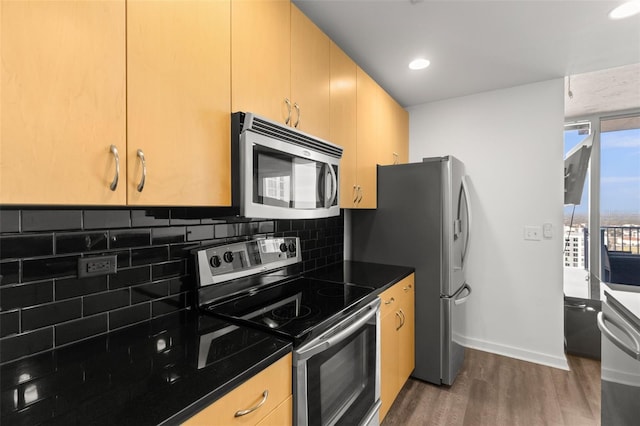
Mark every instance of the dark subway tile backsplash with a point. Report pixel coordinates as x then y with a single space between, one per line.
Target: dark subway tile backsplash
50 267
25 295
9 323
9 272
51 220
12 247
45 305
9 221
81 242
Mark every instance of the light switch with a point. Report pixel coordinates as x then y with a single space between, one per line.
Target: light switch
533 233
547 231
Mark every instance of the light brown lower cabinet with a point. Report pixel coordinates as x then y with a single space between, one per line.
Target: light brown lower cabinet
397 342
274 382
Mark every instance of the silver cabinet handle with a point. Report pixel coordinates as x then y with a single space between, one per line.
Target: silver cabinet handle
355 194
633 353
404 319
390 301
241 413
395 158
140 155
407 288
297 107
288 102
114 151
400 326
359 192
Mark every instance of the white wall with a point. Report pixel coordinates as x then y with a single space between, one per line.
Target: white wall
511 143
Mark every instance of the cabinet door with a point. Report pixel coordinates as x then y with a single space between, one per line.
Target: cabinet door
178 102
310 76
63 102
406 360
261 57
393 145
386 129
389 359
401 132
368 114
343 121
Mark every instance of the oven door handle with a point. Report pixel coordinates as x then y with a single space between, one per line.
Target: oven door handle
326 343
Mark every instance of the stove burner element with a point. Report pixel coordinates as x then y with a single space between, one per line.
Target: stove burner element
291 311
331 292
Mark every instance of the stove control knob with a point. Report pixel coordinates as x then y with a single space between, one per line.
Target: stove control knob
292 247
215 261
283 247
228 256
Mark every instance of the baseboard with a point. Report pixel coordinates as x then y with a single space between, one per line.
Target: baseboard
512 352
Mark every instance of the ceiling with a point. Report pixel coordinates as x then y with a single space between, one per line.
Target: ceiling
476 46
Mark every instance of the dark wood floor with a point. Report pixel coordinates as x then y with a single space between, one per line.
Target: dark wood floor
494 390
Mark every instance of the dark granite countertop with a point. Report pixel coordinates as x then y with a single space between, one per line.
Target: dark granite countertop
159 372
374 275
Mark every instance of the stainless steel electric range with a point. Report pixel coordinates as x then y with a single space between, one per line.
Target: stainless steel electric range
334 327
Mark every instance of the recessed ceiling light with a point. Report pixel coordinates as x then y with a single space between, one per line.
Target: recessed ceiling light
419 64
625 10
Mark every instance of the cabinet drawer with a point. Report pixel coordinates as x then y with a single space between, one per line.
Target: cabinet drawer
275 379
392 296
281 416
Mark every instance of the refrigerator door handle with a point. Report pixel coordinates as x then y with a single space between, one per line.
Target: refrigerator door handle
465 189
460 300
633 353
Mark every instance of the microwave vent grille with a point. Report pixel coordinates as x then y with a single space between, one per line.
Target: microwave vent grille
276 131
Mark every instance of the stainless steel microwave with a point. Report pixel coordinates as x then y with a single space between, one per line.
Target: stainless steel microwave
282 173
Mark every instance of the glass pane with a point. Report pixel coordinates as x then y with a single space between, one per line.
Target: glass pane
620 200
576 228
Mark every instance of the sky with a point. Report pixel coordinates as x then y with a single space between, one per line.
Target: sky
619 175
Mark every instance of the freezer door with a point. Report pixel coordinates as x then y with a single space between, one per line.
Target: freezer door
453 318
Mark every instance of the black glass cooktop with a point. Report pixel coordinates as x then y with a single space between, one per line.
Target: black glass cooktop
293 309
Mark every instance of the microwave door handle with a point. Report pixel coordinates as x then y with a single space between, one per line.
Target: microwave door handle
334 187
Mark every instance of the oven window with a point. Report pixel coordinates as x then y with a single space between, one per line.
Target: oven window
341 381
284 180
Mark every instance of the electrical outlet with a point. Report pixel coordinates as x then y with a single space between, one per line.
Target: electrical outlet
95 266
533 233
547 231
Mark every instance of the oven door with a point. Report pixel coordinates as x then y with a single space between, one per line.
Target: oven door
286 181
337 375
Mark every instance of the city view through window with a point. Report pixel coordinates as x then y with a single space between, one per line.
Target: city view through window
619 208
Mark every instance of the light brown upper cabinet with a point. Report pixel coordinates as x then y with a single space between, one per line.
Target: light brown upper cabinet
310 76
394 131
178 101
343 123
369 114
280 65
63 102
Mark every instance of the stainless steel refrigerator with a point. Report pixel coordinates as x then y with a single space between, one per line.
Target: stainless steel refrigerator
423 221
